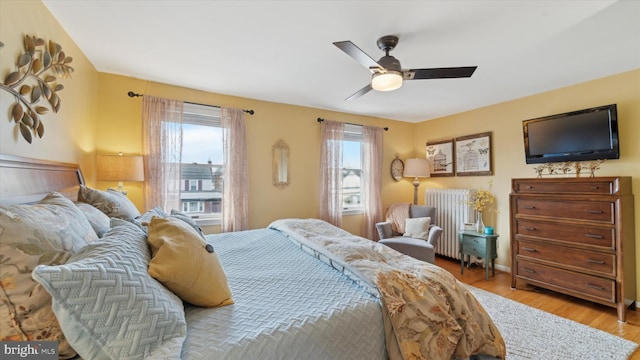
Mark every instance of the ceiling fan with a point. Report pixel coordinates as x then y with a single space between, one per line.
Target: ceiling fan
387 72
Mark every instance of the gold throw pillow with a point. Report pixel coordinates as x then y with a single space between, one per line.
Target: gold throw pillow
184 263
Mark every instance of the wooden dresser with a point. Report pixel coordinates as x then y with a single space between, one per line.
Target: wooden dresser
575 236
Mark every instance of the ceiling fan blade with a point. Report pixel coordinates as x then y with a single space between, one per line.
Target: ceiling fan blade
360 92
357 54
439 73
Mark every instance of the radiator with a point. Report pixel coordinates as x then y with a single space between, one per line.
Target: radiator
452 212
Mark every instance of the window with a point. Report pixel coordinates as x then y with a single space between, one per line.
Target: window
193 206
352 169
193 185
202 163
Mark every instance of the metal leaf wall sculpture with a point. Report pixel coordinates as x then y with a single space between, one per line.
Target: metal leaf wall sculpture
35 83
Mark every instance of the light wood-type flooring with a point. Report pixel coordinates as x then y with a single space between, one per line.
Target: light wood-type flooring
595 315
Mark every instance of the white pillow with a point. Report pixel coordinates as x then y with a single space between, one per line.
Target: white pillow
417 227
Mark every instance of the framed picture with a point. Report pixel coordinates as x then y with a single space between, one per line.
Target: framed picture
473 155
441 157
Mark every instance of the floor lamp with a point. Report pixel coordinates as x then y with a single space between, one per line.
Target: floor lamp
416 168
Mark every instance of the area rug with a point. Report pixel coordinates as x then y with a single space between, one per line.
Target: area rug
530 333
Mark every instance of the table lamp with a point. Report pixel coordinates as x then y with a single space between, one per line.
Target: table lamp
119 167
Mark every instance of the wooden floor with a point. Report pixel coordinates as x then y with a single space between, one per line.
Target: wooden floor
585 312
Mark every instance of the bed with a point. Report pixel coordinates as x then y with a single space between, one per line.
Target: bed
301 289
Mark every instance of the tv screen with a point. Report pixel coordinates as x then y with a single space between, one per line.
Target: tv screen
583 135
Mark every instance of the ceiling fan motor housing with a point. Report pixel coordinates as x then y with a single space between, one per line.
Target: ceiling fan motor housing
390 63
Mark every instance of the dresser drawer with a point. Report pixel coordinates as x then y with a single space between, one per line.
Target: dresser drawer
599 187
604 237
601 211
565 280
580 260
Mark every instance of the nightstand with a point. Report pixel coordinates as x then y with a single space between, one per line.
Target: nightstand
480 245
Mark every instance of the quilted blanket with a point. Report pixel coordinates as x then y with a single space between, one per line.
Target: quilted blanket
288 305
432 314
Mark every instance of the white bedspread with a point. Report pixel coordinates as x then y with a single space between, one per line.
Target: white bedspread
288 305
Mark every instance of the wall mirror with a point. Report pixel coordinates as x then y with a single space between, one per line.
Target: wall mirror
280 156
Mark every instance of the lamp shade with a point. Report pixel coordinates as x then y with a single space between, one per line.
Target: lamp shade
119 167
417 168
387 81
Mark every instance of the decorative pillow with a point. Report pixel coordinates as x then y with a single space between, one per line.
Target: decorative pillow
186 264
144 219
98 220
107 304
417 227
186 218
47 232
111 202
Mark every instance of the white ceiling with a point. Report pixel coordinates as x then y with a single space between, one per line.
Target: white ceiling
282 51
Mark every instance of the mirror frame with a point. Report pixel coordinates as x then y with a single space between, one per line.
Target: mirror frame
280 160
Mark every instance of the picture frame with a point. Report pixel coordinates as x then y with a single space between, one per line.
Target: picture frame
473 155
441 156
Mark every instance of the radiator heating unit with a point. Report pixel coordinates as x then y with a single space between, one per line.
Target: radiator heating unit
452 212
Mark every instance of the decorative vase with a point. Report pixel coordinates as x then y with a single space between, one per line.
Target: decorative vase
479 223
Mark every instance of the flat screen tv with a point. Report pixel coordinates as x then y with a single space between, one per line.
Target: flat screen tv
589 134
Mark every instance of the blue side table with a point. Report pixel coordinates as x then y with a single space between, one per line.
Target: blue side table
480 245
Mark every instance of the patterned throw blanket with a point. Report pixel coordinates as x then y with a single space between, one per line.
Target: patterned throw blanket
432 314
397 214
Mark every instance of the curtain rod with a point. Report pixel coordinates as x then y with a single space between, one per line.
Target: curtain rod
321 120
132 94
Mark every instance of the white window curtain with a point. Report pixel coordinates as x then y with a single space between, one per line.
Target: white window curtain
162 146
372 145
331 172
235 199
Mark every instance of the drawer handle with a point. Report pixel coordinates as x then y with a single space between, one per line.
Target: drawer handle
595 287
595 187
594 236
600 262
530 187
531 271
595 211
529 228
529 249
529 207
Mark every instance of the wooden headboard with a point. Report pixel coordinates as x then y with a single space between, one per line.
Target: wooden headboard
24 180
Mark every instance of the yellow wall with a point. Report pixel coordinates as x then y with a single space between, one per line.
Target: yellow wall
119 127
69 134
505 122
98 117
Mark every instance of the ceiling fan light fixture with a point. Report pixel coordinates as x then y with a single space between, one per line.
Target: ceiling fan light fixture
387 81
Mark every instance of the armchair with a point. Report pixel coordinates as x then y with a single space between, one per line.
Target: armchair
419 248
